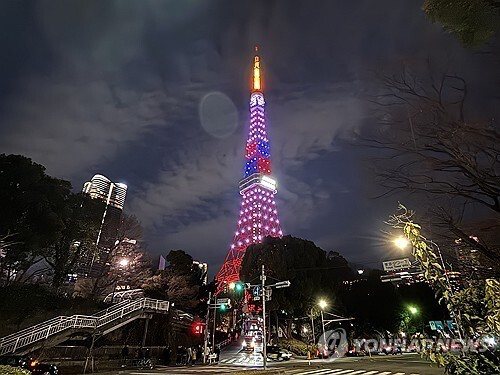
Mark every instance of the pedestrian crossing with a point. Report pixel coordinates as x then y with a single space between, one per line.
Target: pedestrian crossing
183 370
339 371
244 360
224 369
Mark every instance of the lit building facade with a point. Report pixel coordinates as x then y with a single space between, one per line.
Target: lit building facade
258 213
113 196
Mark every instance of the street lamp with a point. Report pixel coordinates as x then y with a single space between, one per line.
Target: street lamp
124 262
323 304
401 242
413 310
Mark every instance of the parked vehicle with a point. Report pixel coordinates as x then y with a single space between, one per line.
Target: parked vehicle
32 365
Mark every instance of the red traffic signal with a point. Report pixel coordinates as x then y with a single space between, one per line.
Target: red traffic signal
198 328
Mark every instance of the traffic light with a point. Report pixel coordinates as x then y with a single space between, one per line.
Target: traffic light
223 307
198 328
239 287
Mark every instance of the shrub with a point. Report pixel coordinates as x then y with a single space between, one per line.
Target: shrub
9 370
295 346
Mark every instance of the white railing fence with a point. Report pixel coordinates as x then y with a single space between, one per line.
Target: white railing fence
9 344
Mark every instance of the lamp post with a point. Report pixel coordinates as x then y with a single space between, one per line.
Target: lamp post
312 326
323 304
122 263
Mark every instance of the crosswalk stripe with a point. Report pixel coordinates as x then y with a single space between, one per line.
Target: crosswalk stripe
400 373
370 372
310 372
385 373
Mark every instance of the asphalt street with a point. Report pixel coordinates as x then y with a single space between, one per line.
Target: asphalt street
379 365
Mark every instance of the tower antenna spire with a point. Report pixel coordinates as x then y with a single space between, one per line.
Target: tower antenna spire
257 86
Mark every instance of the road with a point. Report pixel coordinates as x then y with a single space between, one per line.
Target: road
234 360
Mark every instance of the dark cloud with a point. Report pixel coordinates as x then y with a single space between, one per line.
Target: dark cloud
117 87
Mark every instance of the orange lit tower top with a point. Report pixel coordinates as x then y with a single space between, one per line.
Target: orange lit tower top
256 71
258 214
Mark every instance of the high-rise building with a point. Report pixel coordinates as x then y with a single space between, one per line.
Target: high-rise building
113 196
100 187
258 214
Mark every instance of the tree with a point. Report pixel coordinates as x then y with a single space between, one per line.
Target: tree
42 218
471 21
475 309
432 149
78 222
311 273
126 263
181 283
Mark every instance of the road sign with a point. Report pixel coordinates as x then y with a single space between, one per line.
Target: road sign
432 324
439 325
269 292
225 301
257 291
396 264
450 325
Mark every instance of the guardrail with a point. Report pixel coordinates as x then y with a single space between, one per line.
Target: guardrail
222 344
39 332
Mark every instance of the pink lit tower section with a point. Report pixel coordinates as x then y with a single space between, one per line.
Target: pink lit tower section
258 214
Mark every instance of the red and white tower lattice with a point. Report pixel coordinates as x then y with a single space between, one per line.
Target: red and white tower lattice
258 213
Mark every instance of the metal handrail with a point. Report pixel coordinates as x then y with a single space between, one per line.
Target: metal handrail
42 331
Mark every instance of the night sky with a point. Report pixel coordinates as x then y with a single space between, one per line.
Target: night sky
155 94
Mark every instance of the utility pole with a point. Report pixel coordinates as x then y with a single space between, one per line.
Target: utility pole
264 343
323 323
205 339
312 326
215 322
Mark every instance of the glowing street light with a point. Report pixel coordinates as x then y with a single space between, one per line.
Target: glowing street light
413 310
401 242
323 304
124 262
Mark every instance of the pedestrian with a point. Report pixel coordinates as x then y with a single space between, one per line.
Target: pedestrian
125 352
165 355
217 353
189 355
193 358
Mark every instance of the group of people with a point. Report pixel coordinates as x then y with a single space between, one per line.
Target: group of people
189 355
185 355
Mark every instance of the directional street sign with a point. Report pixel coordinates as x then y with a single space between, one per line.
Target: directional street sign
224 301
439 325
396 264
432 324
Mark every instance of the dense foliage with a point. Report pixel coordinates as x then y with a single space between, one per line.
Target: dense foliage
42 219
471 21
311 273
9 370
475 309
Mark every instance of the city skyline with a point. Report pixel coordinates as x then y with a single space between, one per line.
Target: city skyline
161 105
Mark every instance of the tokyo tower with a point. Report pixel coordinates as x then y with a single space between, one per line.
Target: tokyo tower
258 214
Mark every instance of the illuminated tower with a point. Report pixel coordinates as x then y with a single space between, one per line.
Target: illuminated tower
258 214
